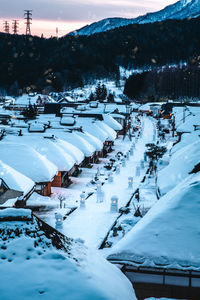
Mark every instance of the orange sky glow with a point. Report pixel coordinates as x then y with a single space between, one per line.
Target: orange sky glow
45 27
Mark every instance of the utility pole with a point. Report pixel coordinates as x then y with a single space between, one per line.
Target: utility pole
6 27
28 18
57 32
15 26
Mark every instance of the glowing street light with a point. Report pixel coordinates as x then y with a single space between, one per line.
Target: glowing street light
114 204
59 220
82 200
130 182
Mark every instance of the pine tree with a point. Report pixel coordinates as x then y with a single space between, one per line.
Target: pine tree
110 98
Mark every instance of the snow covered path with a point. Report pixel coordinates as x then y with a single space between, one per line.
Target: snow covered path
94 221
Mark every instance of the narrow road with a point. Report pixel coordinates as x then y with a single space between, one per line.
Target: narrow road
92 223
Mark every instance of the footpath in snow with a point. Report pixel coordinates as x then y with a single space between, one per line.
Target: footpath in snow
93 222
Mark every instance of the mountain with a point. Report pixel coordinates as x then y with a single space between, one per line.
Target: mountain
182 9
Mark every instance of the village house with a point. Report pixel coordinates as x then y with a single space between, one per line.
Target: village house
15 188
30 163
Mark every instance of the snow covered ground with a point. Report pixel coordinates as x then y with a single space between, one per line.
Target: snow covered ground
34 268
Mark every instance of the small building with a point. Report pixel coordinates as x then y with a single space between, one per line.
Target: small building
53 152
30 163
15 188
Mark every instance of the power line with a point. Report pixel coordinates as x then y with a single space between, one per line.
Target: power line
6 27
28 18
15 26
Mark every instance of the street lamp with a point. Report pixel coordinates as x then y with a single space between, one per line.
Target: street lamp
130 182
142 164
114 204
82 200
110 177
118 169
59 220
127 155
137 173
123 162
131 151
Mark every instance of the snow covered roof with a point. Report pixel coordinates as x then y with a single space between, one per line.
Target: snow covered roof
188 125
77 141
149 106
110 121
38 270
111 133
117 116
35 127
167 236
52 151
67 121
72 150
182 162
94 141
15 180
27 161
32 99
13 213
144 107
186 139
91 127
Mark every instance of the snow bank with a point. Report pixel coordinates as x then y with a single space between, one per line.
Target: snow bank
35 269
167 235
15 180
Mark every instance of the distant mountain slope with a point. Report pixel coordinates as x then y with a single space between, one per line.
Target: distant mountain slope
180 10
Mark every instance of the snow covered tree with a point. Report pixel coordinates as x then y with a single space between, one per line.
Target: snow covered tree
101 92
155 152
110 98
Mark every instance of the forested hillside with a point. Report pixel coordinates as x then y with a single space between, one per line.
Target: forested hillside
56 64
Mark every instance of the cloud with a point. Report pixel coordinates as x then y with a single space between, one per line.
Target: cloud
80 10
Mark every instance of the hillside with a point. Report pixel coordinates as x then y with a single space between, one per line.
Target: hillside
182 9
37 63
